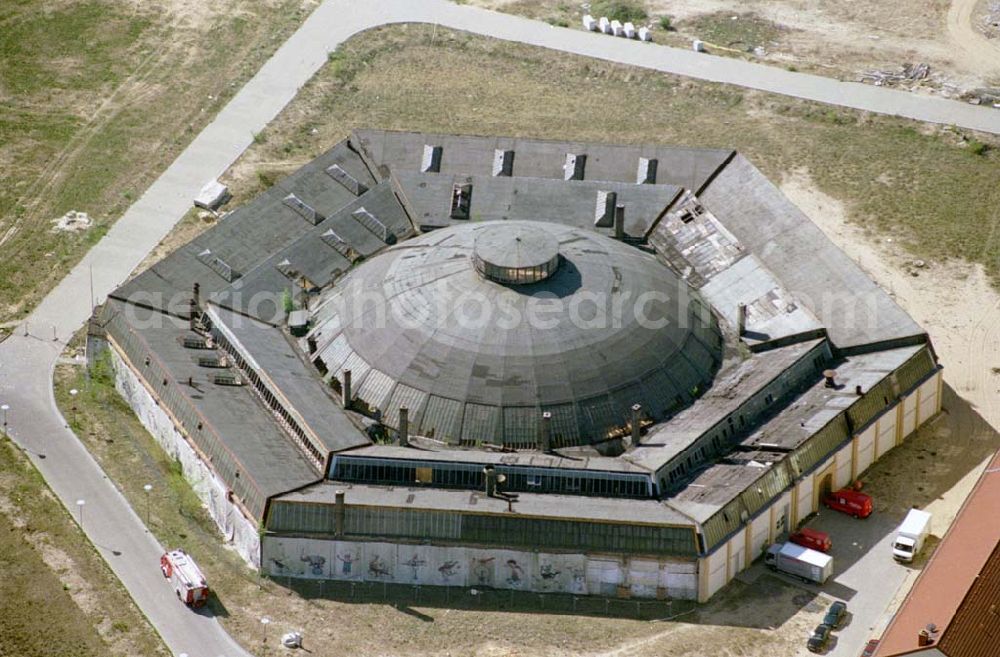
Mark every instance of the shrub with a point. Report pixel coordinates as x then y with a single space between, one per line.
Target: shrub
666 23
977 147
626 11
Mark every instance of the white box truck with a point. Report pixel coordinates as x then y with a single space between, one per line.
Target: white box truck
911 535
810 565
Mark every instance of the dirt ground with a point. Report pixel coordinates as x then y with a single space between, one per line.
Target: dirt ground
958 307
839 38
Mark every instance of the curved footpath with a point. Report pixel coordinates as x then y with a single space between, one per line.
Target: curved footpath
28 357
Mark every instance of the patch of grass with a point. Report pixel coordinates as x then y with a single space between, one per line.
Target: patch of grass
626 11
99 97
977 147
666 23
741 31
39 612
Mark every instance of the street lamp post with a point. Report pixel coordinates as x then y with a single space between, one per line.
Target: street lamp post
73 393
79 506
263 634
147 488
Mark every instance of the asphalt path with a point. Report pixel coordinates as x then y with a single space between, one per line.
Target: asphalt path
28 357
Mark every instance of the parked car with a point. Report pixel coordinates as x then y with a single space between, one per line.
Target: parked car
870 648
812 538
850 502
820 637
835 614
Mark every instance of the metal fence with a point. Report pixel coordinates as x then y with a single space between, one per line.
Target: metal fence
484 599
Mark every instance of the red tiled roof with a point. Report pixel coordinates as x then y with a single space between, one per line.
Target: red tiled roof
975 629
950 573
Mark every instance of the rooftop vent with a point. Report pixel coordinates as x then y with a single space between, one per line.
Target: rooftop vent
218 265
691 212
431 162
461 201
350 183
575 163
646 175
195 342
213 362
227 379
338 244
503 162
372 223
303 209
604 213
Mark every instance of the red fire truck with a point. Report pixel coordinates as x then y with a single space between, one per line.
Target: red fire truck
186 578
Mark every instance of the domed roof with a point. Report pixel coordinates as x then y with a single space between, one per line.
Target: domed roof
479 328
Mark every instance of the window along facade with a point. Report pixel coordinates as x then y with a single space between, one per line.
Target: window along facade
469 476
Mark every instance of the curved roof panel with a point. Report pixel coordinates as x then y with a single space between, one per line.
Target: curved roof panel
609 328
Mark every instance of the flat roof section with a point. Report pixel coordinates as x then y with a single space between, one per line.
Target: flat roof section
525 459
572 202
565 507
819 275
260 451
304 392
539 158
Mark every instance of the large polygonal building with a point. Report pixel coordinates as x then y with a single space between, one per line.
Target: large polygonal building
490 361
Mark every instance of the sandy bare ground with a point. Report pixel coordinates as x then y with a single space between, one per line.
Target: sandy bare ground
957 306
976 50
842 38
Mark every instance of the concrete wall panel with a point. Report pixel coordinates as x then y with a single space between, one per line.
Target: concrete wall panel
239 531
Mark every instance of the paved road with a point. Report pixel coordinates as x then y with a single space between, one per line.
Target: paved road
865 575
26 361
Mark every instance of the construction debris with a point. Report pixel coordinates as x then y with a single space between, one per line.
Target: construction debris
906 74
72 222
990 20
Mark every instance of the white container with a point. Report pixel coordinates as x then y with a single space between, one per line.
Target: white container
645 34
589 23
616 28
629 30
604 24
698 45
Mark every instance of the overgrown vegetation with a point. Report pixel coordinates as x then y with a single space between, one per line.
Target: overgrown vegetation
626 11
739 31
93 108
58 596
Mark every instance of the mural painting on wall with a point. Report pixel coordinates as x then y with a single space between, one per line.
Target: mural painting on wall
449 571
481 570
415 563
348 558
381 563
548 577
378 568
315 563
578 583
515 573
276 560
560 573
